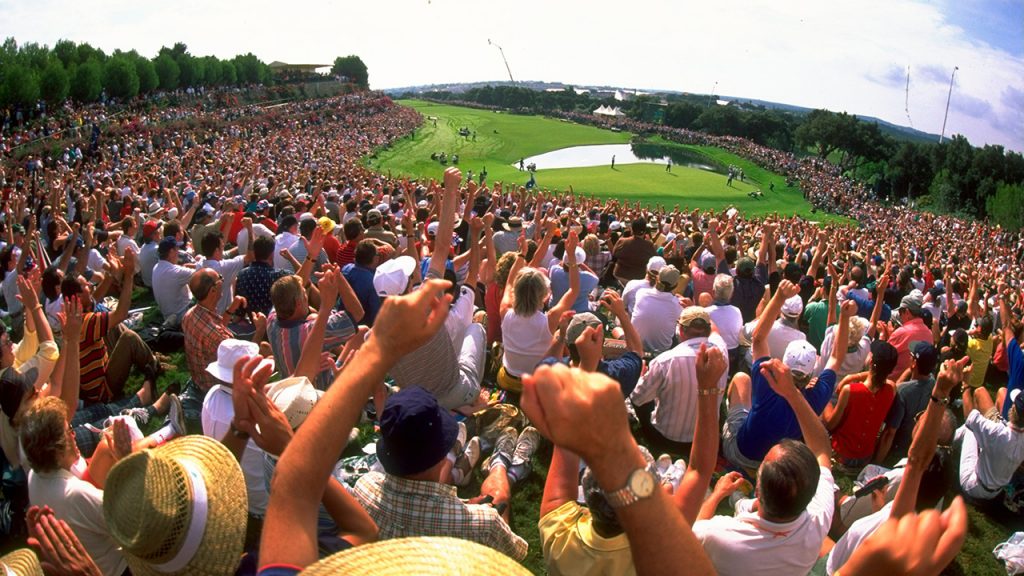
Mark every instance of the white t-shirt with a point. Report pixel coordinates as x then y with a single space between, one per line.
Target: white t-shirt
526 341
853 362
285 240
854 537
229 269
747 545
629 292
80 504
258 230
655 317
729 321
125 242
148 257
218 411
170 288
779 337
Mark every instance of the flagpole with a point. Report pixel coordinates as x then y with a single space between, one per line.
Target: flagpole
948 97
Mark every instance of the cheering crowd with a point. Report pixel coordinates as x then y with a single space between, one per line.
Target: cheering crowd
676 364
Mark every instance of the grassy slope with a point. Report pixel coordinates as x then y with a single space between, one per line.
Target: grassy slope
503 139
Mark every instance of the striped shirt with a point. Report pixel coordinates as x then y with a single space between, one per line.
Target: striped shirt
671 382
204 331
93 358
405 508
288 337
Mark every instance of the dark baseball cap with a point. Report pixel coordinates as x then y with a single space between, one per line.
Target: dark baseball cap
166 245
416 432
883 357
926 354
14 385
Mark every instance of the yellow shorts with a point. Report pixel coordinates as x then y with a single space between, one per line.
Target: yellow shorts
509 382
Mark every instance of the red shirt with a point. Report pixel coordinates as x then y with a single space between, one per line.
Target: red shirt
347 253
865 411
236 227
332 246
492 304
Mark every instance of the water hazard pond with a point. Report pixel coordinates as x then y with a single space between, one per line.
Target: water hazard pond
634 153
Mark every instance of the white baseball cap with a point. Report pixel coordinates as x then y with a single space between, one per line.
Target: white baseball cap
295 397
793 306
432 228
800 356
229 352
392 276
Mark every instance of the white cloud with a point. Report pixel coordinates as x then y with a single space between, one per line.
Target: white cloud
842 56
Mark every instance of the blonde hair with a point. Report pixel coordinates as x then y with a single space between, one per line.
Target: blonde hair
531 290
858 328
591 245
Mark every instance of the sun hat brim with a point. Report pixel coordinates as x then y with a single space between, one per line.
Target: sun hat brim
425 556
139 490
21 562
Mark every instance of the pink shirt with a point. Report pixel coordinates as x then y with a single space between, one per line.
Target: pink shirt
912 331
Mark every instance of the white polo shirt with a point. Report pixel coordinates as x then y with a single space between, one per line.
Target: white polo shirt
655 317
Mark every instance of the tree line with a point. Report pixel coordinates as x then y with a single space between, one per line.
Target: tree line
33 73
951 177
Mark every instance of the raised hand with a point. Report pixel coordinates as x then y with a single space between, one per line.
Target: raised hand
579 411
788 289
452 179
60 551
779 377
73 316
711 364
848 309
614 302
952 373
729 483
251 376
315 243
405 323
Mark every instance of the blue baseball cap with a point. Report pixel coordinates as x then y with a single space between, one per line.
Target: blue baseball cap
416 433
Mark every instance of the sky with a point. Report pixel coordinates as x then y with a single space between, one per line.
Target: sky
843 56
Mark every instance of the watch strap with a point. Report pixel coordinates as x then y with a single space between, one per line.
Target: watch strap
626 495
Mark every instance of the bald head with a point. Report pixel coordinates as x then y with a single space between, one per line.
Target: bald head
203 284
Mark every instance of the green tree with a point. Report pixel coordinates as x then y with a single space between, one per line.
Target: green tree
86 52
67 52
228 75
353 68
120 78
20 86
167 71
1006 206
187 68
825 131
87 83
148 79
944 193
54 83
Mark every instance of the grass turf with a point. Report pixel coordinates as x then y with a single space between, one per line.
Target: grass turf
503 139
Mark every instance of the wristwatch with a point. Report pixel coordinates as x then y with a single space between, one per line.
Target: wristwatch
640 484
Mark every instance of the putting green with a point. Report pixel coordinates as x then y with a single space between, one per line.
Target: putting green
502 139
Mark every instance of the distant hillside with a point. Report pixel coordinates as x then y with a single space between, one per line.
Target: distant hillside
901 133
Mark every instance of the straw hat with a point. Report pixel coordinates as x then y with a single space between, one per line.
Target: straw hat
424 556
22 562
179 508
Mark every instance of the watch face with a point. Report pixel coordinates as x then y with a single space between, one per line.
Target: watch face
642 483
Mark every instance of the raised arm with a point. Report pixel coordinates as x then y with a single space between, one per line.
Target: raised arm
876 310
566 301
69 387
562 484
584 413
815 436
759 339
848 310
290 529
446 223
710 364
634 343
124 300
